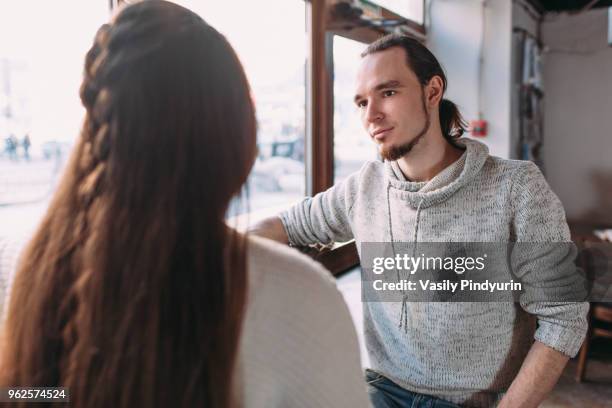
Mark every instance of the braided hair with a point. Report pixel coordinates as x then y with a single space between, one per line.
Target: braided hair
132 290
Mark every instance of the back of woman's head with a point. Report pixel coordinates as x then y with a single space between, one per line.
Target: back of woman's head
132 290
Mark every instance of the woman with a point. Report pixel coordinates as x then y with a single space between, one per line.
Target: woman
133 291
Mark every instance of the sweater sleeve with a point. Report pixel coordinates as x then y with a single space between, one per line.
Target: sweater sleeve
543 258
323 218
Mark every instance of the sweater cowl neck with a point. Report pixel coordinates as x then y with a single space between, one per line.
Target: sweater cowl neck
445 183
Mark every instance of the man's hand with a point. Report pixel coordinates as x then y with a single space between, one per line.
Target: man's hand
538 375
271 228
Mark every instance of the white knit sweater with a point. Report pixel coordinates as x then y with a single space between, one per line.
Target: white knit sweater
299 347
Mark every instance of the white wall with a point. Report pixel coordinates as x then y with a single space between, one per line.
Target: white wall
454 37
578 113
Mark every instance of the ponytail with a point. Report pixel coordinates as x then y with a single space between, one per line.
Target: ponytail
451 122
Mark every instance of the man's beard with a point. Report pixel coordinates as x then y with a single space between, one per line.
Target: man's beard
396 152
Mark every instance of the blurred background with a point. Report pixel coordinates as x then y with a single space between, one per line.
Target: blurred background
532 77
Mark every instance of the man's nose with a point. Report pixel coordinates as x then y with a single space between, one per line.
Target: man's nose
373 113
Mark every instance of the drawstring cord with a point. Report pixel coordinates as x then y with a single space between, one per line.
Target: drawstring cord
403 320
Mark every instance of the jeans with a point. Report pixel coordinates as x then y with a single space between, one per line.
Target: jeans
386 394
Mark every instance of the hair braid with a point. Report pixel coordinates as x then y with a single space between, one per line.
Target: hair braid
95 136
91 172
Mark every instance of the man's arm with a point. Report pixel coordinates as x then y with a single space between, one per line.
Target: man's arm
271 228
543 259
537 377
322 219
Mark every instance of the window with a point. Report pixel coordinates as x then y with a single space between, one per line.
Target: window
41 61
352 144
270 40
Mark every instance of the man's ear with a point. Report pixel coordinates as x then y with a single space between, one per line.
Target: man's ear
434 91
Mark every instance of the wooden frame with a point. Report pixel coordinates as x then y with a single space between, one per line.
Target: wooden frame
320 125
322 26
319 100
600 313
349 29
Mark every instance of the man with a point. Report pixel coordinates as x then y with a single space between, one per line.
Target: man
435 187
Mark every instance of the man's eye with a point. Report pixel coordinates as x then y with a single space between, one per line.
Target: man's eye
389 93
361 104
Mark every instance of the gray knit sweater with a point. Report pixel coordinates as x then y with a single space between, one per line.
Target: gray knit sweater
466 353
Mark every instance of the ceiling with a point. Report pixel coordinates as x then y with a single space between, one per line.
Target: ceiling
568 5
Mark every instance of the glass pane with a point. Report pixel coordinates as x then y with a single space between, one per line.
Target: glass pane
271 44
42 50
352 144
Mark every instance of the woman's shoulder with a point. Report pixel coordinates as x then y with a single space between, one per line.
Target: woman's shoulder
270 261
298 337
290 285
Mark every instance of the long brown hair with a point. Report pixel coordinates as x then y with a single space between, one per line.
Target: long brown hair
132 291
425 66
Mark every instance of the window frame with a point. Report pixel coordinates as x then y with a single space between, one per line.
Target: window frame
322 25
